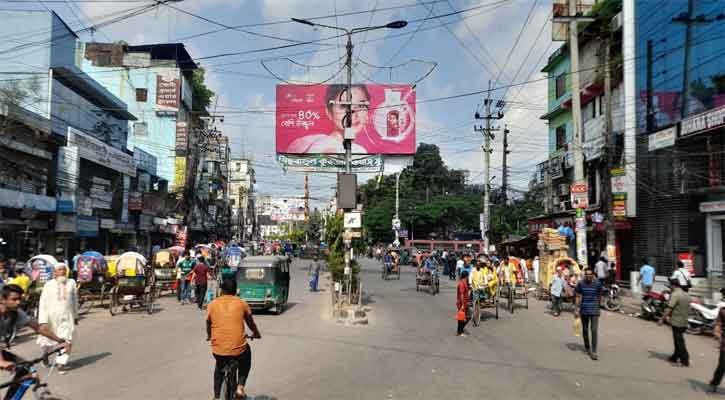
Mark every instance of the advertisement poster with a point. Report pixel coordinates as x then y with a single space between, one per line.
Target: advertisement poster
311 119
180 173
182 137
168 91
689 261
330 163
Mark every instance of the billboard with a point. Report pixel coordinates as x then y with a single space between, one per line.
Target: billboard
168 91
310 119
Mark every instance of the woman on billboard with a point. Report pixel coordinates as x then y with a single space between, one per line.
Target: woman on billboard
332 142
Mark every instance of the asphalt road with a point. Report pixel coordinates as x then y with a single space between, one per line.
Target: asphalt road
408 351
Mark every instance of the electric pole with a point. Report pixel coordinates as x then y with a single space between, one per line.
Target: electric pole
307 198
504 177
487 136
609 149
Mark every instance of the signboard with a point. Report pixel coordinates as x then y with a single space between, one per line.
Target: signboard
168 91
181 236
87 226
403 233
100 153
107 223
702 122
135 201
619 204
560 27
124 199
67 178
689 261
353 220
581 223
662 139
66 223
581 249
145 161
309 119
182 137
330 163
592 148
556 168
179 173
579 195
619 180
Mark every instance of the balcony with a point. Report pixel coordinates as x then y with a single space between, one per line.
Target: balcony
17 199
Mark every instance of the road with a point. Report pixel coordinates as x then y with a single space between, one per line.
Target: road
408 351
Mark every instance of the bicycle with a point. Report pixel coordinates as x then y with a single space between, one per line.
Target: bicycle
229 380
29 380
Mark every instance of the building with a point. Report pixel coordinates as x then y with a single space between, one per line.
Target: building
680 102
556 174
241 197
77 152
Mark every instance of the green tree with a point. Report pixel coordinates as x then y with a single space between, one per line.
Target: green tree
202 95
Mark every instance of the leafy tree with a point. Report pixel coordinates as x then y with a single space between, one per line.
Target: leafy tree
202 95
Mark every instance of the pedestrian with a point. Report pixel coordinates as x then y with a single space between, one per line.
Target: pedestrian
186 266
459 265
314 273
462 303
720 370
58 309
682 275
588 292
200 275
646 276
677 313
536 267
601 269
557 286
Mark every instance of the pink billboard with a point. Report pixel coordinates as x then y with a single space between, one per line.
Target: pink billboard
311 119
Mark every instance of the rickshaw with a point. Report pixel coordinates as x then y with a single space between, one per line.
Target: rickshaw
164 266
202 250
134 284
490 301
177 250
426 278
263 282
516 289
571 271
111 263
41 271
92 278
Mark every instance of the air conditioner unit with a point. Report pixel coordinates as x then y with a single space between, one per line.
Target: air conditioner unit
563 189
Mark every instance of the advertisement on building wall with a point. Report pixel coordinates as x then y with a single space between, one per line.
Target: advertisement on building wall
179 173
310 119
182 138
168 91
100 153
68 171
330 163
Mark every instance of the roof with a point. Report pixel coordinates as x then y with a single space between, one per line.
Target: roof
167 51
262 259
93 91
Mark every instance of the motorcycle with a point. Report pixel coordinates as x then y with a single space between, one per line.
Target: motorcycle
611 301
702 317
654 304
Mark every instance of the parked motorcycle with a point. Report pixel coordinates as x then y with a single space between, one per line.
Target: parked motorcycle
611 301
654 304
702 317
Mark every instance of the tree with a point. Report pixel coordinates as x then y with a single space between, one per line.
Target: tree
202 95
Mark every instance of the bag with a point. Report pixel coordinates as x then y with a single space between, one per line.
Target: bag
461 315
577 327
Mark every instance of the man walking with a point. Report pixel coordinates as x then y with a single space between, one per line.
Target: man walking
677 312
314 272
557 286
720 370
646 276
536 269
201 279
588 292
58 309
184 270
462 303
682 275
601 269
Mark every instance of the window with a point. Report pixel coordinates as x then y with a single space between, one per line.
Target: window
103 59
141 95
561 137
560 85
140 129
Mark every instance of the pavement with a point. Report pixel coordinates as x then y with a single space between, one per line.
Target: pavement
408 350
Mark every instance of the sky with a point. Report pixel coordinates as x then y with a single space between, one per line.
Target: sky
502 41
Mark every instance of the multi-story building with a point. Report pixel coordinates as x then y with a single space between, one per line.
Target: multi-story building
67 139
241 197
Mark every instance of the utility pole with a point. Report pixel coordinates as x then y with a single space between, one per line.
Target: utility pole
688 21
487 136
609 150
648 78
307 198
504 177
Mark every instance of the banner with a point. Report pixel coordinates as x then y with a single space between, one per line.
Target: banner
67 175
310 119
329 163
168 91
100 153
180 173
182 138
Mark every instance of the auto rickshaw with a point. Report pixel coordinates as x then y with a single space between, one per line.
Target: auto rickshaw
263 282
92 278
165 270
134 284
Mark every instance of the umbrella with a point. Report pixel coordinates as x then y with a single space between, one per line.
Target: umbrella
93 254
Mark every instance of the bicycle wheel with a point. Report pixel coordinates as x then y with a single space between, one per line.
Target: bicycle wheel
113 306
477 312
511 299
85 302
229 383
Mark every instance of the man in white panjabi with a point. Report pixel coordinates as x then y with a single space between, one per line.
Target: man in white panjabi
58 309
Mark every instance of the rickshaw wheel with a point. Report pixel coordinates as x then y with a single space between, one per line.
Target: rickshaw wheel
496 301
150 301
85 302
477 312
279 308
113 303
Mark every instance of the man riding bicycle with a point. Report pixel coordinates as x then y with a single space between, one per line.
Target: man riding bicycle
225 328
12 319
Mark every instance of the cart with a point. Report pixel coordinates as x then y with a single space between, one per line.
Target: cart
93 280
134 286
428 278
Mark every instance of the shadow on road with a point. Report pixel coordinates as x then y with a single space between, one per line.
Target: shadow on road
699 386
88 360
261 397
576 347
658 355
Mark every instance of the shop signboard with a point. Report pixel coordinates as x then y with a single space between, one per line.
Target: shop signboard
556 168
688 259
309 119
662 139
168 91
619 180
145 161
180 173
702 122
579 195
100 153
182 138
353 220
619 204
181 236
135 201
124 198
66 223
87 226
107 223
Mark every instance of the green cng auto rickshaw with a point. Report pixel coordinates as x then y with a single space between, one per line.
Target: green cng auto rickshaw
263 282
